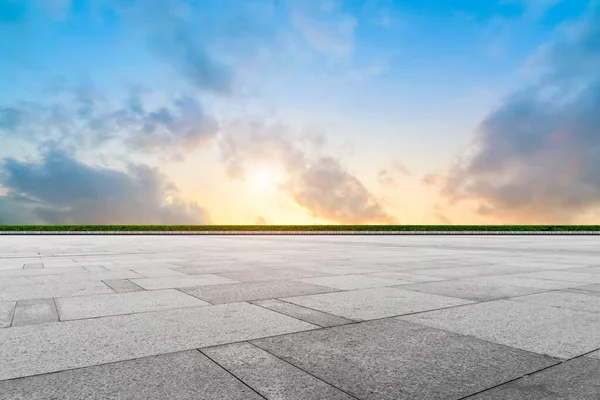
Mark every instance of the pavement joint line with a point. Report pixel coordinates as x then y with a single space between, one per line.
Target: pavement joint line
303 370
56 309
287 315
231 373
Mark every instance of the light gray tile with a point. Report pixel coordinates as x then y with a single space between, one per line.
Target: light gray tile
564 276
31 350
178 376
170 282
576 379
123 285
525 282
157 272
375 303
55 289
390 359
470 290
266 274
41 272
32 312
557 332
302 313
103 305
271 377
95 268
63 278
350 282
407 277
33 266
473 271
7 309
563 299
260 290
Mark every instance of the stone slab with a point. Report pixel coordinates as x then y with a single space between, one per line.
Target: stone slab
302 313
260 290
123 285
32 312
55 289
31 350
563 299
470 290
564 276
214 268
351 282
526 282
157 272
62 278
95 268
577 379
171 282
552 331
407 277
267 274
178 376
472 271
102 305
390 359
33 266
41 272
375 303
270 376
7 309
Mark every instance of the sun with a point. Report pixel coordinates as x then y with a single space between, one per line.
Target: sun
264 179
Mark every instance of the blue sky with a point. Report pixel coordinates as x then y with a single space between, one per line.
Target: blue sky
316 103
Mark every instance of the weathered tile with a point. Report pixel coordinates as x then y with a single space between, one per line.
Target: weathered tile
470 290
563 299
390 359
177 376
7 309
55 289
472 271
525 282
557 332
157 272
350 282
103 305
302 313
267 274
95 268
260 290
63 278
170 282
32 312
31 350
375 303
41 272
270 376
123 285
577 379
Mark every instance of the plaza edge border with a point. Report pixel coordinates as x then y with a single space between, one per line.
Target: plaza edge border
298 233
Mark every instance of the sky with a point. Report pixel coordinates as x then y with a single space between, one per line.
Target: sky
299 112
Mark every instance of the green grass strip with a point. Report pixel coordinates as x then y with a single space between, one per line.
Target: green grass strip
292 228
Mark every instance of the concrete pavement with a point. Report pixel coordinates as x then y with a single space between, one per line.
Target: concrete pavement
300 317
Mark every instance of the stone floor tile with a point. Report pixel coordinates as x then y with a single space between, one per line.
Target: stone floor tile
260 290
54 289
563 299
102 305
123 285
390 359
157 272
302 313
564 276
350 282
577 379
270 376
552 331
470 290
38 349
526 282
169 282
177 376
63 278
267 274
406 276
33 266
375 303
7 309
32 312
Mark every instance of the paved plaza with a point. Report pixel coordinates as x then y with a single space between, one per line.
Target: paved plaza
300 317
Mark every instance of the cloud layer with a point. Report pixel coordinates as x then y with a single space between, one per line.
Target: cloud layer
537 157
61 190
